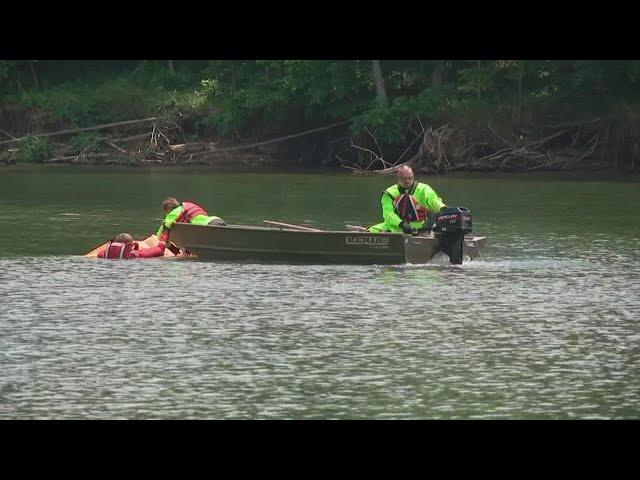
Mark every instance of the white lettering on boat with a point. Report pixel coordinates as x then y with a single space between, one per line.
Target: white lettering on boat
369 240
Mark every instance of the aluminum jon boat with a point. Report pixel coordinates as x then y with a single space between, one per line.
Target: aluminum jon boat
295 245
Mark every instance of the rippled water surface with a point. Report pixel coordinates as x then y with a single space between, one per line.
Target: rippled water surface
544 325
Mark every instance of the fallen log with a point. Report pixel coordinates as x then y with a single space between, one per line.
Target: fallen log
76 130
133 137
188 147
573 124
212 148
73 157
7 134
114 146
386 171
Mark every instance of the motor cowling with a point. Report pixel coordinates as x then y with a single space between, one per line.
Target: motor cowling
453 219
451 224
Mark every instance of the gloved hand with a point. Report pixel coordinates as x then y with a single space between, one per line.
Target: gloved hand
162 245
173 248
406 227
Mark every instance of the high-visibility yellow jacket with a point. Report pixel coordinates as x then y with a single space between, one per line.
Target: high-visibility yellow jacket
187 212
412 204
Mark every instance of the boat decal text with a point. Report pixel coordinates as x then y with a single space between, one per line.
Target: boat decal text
369 240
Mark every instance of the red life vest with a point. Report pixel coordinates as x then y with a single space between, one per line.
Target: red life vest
118 250
190 210
408 208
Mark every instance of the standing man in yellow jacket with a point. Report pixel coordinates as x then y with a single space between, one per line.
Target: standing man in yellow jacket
407 204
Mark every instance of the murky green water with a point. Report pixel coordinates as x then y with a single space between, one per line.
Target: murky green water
544 325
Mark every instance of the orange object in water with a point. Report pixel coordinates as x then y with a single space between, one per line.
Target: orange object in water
150 241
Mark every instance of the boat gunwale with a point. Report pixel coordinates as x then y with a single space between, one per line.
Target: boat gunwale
349 232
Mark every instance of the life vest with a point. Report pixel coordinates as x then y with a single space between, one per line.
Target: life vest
116 250
186 212
190 210
407 207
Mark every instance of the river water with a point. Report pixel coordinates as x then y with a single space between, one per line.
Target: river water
544 325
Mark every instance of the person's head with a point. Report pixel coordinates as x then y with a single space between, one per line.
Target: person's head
405 176
169 204
123 238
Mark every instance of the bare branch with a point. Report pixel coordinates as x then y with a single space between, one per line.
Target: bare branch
7 134
498 136
375 140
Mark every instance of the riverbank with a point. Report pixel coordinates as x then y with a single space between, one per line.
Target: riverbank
437 116
166 140
169 138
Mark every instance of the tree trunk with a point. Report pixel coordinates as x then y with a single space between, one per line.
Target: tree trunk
137 68
520 75
380 90
233 80
33 74
437 76
478 82
20 86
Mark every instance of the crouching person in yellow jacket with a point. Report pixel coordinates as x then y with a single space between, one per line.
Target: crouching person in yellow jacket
187 212
406 205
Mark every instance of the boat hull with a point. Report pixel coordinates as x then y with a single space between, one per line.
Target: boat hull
263 244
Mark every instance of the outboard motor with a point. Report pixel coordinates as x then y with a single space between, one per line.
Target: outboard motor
451 224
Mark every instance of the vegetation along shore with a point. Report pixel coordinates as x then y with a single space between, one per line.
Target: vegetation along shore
366 116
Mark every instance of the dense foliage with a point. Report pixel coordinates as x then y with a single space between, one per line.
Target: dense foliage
265 97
